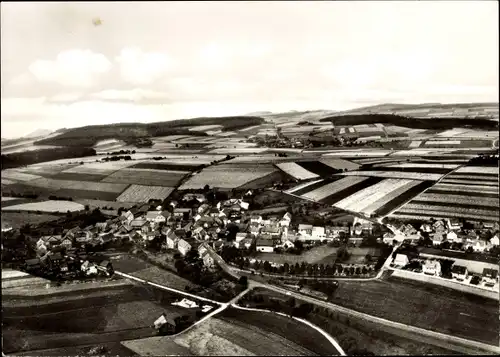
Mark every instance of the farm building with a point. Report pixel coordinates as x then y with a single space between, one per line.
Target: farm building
459 272
401 260
272 230
245 243
157 216
166 324
183 246
478 245
265 245
318 233
495 241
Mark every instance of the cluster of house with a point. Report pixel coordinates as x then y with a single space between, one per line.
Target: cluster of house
67 265
463 270
451 230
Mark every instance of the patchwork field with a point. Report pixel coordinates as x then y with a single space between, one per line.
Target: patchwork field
47 206
372 198
139 193
228 176
145 177
17 175
470 192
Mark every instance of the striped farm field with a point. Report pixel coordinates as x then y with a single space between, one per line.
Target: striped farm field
453 187
47 206
397 198
228 176
478 170
470 182
319 168
145 177
296 171
305 187
417 170
324 191
396 174
339 164
139 193
458 199
15 175
78 185
365 198
448 212
166 166
474 177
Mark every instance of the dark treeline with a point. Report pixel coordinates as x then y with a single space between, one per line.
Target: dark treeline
414 123
20 159
140 134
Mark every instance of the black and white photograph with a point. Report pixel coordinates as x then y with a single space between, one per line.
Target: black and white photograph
250 178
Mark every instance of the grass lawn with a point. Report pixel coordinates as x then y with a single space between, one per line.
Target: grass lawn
321 255
424 305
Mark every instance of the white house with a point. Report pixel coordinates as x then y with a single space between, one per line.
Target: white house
490 276
452 237
318 232
155 216
265 245
494 241
478 245
431 267
201 250
453 224
129 216
208 261
305 230
401 260
183 247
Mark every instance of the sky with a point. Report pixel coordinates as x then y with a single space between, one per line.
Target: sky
159 61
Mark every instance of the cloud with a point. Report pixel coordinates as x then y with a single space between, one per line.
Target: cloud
72 68
142 68
65 97
136 95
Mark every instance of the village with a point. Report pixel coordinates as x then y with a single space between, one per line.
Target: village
191 225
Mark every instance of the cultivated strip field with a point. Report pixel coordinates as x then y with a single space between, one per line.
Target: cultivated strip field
227 176
471 192
396 174
16 175
139 193
163 178
47 206
78 185
303 186
332 188
102 168
296 171
374 198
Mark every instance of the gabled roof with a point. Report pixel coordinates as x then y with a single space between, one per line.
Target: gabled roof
305 226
